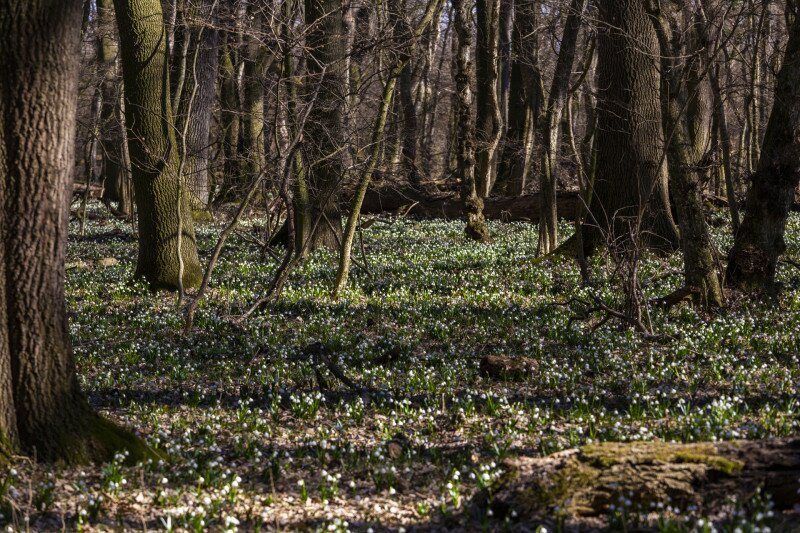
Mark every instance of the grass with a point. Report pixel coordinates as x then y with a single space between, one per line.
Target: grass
251 443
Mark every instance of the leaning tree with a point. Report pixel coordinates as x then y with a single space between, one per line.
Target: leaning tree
42 410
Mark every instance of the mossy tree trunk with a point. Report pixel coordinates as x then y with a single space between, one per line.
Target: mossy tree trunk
585 486
465 122
42 410
154 151
688 138
753 260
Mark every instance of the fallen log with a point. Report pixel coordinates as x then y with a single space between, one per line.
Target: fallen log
591 483
416 204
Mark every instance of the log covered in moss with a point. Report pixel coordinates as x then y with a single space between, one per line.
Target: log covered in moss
585 484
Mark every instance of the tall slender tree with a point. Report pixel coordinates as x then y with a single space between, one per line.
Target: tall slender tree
464 70
551 127
489 125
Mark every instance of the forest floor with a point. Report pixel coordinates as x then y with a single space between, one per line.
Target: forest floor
251 442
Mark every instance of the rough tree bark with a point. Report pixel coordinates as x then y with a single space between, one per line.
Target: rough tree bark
630 181
42 410
465 123
154 151
760 242
327 41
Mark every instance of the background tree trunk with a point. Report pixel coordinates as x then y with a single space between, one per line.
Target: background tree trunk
199 91
688 139
489 119
153 150
551 128
115 176
324 134
525 103
759 244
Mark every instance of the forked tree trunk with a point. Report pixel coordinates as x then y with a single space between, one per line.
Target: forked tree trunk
760 242
630 181
688 138
465 123
154 151
42 411
551 130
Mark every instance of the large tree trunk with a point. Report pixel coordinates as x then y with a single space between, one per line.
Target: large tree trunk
325 148
42 411
630 183
489 120
154 151
465 123
551 128
759 244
